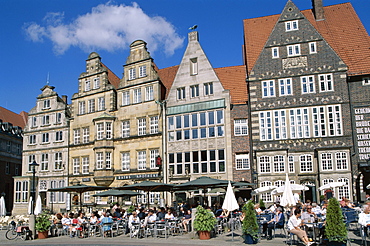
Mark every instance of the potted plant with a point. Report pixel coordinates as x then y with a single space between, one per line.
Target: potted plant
250 225
204 222
335 228
42 225
262 204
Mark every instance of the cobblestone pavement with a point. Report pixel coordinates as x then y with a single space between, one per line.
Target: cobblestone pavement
183 240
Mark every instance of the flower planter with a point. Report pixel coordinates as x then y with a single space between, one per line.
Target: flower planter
248 239
204 235
42 235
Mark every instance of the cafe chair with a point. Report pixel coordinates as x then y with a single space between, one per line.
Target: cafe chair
363 234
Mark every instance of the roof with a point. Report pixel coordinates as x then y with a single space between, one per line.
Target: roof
341 28
14 118
112 78
232 78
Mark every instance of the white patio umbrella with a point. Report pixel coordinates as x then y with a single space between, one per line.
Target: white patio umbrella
294 187
2 207
38 207
287 199
264 189
30 204
332 185
231 204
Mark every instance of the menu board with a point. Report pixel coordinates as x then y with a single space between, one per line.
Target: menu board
362 123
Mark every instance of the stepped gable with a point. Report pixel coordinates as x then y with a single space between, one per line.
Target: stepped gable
341 28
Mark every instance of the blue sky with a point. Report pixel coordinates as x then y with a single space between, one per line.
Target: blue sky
42 37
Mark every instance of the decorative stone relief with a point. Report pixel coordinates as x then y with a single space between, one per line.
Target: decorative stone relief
294 62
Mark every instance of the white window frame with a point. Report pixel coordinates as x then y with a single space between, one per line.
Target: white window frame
280 124
137 95
242 162
59 136
299 123
306 163
291 25
82 107
58 118
149 93
141 123
208 88
76 136
366 81
141 160
85 134
154 124
85 164
142 71
108 130
45 120
108 160
268 88
132 73
100 131
76 166
126 129
266 197
99 160
46 104
101 103
125 98
308 84
194 91
240 127
32 139
265 125
344 191
326 82
275 52
180 93
91 105
194 66
293 50
154 153
279 164
58 161
125 161
96 83
291 167
327 161
264 164
45 138
312 47
285 87
341 160
87 85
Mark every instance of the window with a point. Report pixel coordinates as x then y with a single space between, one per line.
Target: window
97 83
194 91
181 93
91 105
265 126
326 82
280 124
101 103
21 191
34 121
7 168
142 71
85 134
46 120
125 129
32 139
81 107
141 126
305 162
86 197
279 183
59 136
44 162
76 166
125 98
87 85
131 74
312 47
264 164
108 130
58 118
327 121
153 124
154 153
268 88
149 93
285 87
194 66
125 161
366 81
266 197
326 161
137 95
45 137
343 191
294 50
99 160
308 84
275 52
85 165
299 123
46 104
108 160
208 89
291 163
279 164
291 25
241 127
31 159
76 136
341 160
242 161
58 163
99 131
141 158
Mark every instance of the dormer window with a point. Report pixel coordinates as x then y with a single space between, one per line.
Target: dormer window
46 104
142 71
131 74
291 25
366 81
97 83
87 85
194 66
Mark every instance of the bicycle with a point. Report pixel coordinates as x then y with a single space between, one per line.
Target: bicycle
18 231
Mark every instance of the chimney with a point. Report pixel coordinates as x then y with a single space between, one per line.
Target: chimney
64 98
318 10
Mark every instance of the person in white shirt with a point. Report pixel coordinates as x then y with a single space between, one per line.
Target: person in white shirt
150 218
316 209
133 219
66 221
364 217
169 215
294 224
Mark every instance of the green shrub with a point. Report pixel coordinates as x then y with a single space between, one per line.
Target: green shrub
250 225
204 219
43 222
335 228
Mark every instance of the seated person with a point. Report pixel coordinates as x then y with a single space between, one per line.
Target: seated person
133 219
218 211
277 221
141 214
107 223
316 209
364 219
186 220
294 224
169 215
66 221
161 214
309 216
151 218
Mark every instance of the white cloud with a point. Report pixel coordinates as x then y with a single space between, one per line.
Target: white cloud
107 27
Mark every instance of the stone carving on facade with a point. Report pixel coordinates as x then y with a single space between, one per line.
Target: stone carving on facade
294 62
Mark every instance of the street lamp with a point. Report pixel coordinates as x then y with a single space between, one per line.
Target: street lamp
33 166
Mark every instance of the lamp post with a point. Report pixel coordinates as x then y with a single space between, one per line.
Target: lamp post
33 166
